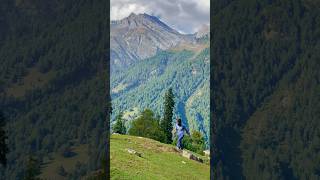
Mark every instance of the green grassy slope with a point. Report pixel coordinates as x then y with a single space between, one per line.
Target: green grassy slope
158 161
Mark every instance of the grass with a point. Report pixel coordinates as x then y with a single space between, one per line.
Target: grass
158 161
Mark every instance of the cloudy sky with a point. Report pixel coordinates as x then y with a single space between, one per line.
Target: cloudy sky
186 16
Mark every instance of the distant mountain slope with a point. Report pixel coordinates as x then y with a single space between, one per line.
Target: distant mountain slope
144 84
266 90
141 36
157 161
287 126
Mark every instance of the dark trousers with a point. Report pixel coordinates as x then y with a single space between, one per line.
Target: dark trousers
179 142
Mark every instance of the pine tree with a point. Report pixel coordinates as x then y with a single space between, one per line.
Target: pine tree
166 123
119 127
146 125
3 146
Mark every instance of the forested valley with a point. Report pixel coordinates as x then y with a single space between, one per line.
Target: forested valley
265 78
53 78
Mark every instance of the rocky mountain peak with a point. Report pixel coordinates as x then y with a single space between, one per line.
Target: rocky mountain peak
144 20
203 31
140 36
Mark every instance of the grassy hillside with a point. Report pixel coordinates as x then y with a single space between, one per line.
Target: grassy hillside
158 161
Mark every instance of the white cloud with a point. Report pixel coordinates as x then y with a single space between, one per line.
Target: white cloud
123 10
183 15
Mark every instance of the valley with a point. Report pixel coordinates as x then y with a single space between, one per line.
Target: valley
182 65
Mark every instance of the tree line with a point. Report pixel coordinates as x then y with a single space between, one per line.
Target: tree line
149 125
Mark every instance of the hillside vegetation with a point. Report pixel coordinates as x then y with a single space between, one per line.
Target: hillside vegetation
72 166
52 79
266 90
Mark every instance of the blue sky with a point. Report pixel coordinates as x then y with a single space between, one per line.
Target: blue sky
186 16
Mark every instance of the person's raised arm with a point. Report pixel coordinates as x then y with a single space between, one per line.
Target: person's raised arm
187 131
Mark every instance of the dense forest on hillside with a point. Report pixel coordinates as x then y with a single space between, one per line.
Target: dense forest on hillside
143 86
266 92
53 78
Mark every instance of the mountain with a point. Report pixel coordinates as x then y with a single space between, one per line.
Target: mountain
203 31
183 66
157 161
266 90
141 36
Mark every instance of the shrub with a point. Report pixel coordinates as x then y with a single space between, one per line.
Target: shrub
147 125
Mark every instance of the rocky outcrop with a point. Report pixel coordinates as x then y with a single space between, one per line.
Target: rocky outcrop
191 156
132 151
206 152
203 31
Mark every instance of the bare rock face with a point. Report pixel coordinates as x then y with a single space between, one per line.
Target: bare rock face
203 31
137 37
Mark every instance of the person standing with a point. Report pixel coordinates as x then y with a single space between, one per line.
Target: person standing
180 129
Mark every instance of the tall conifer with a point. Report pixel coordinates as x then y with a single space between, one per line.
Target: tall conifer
166 123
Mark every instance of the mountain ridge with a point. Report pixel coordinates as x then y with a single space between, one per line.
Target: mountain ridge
140 36
134 20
